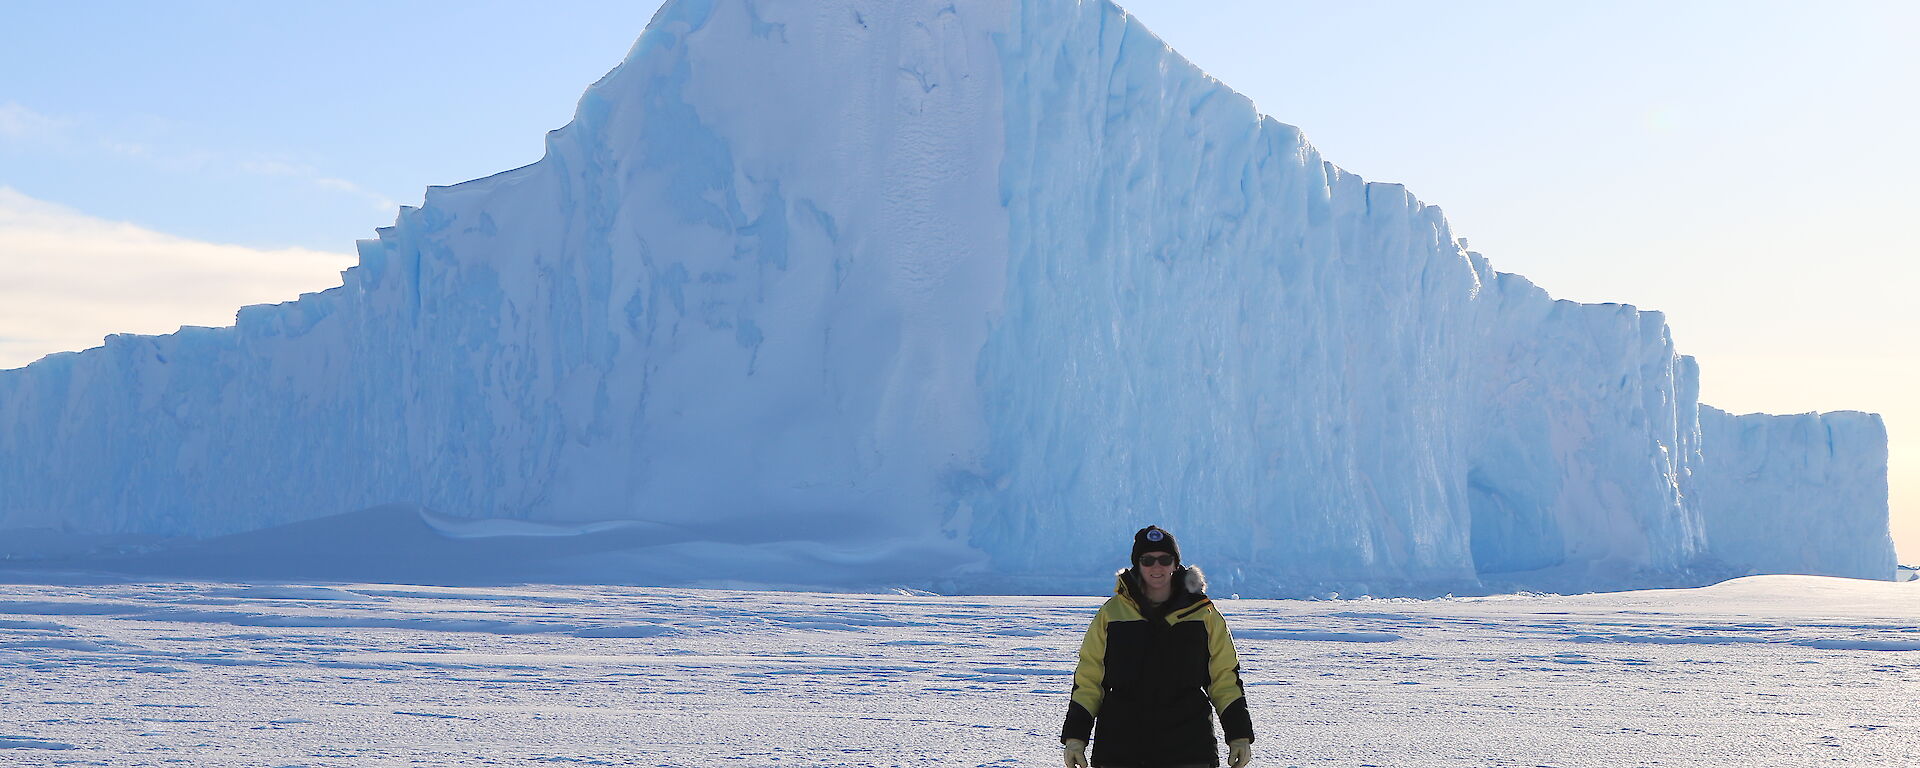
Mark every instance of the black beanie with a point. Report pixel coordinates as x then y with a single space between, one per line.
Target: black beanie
1154 539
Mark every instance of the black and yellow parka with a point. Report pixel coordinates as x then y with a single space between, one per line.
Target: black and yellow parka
1151 679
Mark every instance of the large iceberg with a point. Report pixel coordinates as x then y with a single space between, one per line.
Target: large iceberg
954 295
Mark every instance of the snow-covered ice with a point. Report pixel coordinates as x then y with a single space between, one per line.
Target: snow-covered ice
1775 671
937 288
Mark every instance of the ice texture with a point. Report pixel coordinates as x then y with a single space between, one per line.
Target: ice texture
1774 490
956 295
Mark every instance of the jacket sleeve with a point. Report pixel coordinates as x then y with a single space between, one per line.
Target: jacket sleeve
1088 681
1229 695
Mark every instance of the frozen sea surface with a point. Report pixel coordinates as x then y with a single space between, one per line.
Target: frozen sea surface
1764 671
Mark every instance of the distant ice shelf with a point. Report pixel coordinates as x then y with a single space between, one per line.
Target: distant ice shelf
954 296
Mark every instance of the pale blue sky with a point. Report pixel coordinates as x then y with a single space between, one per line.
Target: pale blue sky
1746 167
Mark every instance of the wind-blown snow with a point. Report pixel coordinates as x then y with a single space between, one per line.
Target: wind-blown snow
946 294
1765 671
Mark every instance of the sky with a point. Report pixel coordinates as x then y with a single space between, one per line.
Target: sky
1748 168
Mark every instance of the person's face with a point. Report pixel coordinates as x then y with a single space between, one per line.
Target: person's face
1156 569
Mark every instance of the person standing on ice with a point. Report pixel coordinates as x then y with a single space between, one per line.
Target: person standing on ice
1156 665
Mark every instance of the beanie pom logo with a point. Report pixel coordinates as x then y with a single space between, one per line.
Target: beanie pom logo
1154 534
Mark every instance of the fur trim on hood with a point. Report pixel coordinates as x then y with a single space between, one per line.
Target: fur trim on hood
1196 580
1191 577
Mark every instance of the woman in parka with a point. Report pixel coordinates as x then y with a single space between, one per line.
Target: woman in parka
1156 666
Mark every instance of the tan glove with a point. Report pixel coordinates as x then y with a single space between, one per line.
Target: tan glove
1239 753
1076 752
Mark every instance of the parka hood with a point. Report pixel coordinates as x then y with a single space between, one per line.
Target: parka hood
1190 578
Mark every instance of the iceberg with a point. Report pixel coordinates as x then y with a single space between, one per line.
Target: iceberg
951 295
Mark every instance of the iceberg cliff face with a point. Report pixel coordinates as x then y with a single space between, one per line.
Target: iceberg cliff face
1775 492
957 295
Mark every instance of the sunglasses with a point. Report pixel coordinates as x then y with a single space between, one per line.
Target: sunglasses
1146 560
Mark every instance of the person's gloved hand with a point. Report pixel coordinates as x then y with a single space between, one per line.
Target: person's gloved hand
1076 752
1239 753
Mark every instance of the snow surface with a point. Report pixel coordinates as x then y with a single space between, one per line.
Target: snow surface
1777 671
921 292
